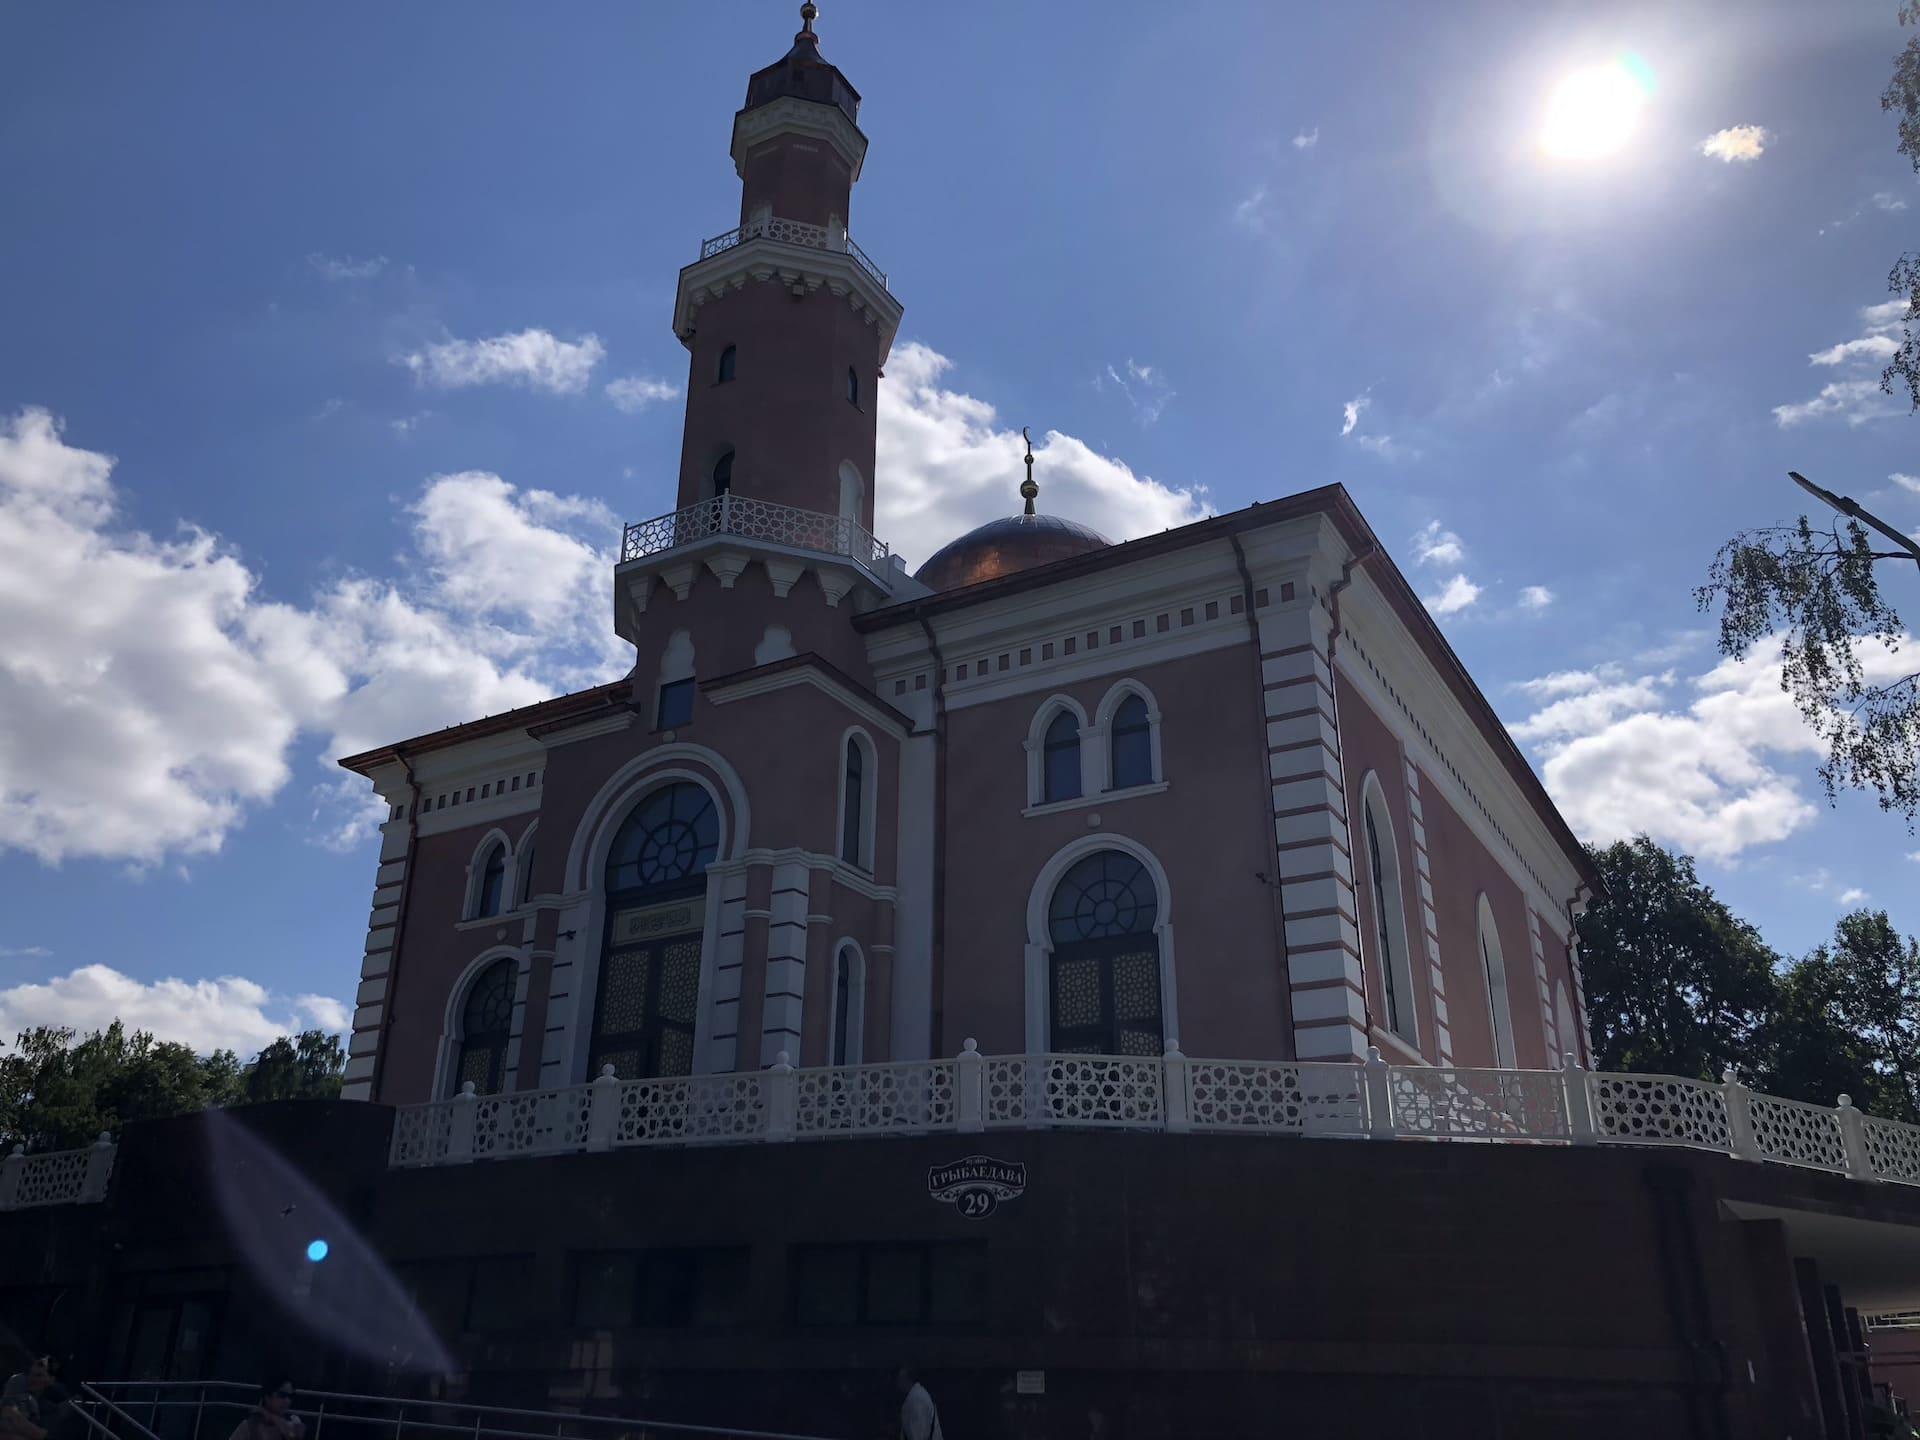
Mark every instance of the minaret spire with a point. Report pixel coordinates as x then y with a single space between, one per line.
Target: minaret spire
1028 488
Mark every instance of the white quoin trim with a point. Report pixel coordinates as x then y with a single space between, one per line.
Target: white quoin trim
1373 802
1092 782
869 808
477 870
1499 1008
1039 951
856 1001
1110 703
451 1028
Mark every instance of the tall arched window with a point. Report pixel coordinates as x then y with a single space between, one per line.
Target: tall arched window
523 872
853 386
486 1026
493 884
1131 744
1499 1013
723 475
724 371
852 805
849 1006
1389 913
1060 759
1104 990
650 967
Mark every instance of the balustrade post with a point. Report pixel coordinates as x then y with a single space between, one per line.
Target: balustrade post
466 1107
1853 1136
1379 1096
12 1169
726 514
1579 1103
603 1115
1174 1099
782 1093
93 1186
970 1089
1740 1116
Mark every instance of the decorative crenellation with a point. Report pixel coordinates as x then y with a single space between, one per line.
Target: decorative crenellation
1111 633
1429 923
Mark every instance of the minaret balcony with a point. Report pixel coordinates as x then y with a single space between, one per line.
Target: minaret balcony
794 232
727 533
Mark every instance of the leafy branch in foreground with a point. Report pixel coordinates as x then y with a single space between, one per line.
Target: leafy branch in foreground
1902 97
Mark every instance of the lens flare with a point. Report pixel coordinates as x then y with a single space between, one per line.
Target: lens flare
317 1250
1593 112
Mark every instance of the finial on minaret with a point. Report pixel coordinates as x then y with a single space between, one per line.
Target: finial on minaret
1028 488
809 13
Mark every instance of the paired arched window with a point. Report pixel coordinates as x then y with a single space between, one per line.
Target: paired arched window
1389 913
1130 745
853 386
723 372
723 475
649 985
849 1006
1499 1012
1060 759
1104 986
491 896
486 1028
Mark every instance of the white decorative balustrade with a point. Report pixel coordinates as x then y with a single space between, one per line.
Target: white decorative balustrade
57 1177
1174 1092
833 239
752 519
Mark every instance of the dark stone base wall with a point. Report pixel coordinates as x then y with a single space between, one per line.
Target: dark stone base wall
1164 1285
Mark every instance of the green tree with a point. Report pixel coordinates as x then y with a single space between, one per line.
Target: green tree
1676 983
1810 1054
308 1066
1902 98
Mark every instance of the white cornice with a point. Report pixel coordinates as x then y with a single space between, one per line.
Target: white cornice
861 705
588 729
857 881
790 115
801 268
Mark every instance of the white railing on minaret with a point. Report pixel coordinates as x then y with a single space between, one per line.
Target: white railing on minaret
752 519
793 232
973 1093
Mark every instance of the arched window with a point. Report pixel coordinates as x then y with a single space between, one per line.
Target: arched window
724 371
486 1026
849 1006
1499 1013
493 884
1060 759
1389 913
853 386
1131 744
523 872
723 475
852 811
649 985
1104 992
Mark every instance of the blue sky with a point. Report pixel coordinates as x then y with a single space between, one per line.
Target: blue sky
1213 254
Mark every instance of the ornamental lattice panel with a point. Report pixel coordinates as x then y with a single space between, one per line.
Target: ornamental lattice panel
1100 1090
1796 1133
532 1121
1005 1090
56 1178
1660 1110
691 1108
875 1099
421 1134
1478 1104
1893 1149
1273 1098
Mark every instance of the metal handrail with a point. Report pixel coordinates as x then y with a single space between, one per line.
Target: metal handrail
754 519
780 231
399 1422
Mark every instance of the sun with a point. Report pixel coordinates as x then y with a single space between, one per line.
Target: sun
1593 112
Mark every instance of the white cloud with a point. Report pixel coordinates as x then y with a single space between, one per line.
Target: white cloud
1433 545
536 359
946 464
1691 763
1887 200
1854 895
1857 401
1386 447
1566 682
1251 211
633 393
345 267
1860 399
1906 482
1867 347
1143 387
1914 855
24 952
227 1013
1307 139
1535 597
1742 143
1350 413
1885 316
152 695
1456 595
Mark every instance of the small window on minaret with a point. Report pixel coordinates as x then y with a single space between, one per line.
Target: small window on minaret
853 386
725 372
723 475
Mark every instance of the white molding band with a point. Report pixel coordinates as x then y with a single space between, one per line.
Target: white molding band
1429 923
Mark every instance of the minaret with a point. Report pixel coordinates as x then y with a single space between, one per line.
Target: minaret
787 321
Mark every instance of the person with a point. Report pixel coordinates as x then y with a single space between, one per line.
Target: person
919 1416
27 1401
273 1417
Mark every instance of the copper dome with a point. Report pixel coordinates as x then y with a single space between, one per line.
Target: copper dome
1000 547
